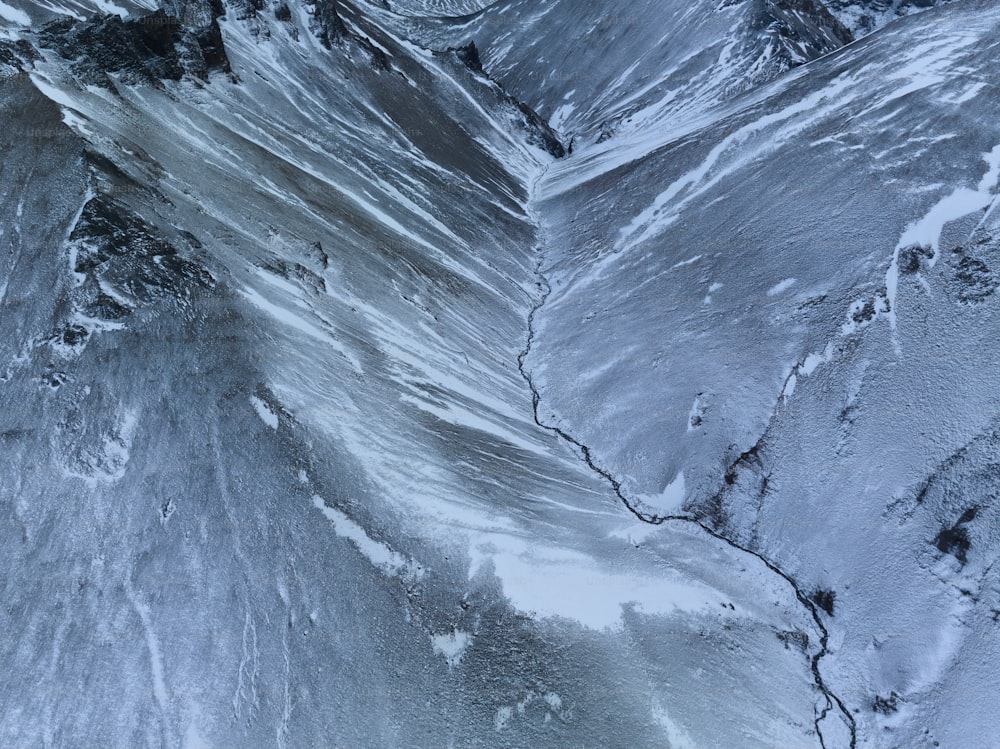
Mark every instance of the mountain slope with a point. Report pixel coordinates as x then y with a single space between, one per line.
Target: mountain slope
343 406
779 322
595 69
277 467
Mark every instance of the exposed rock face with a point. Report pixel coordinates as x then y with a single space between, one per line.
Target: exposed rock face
783 34
327 24
155 47
719 50
865 16
801 30
523 117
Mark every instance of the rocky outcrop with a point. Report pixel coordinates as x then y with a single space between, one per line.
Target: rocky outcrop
519 114
865 16
791 33
149 49
327 24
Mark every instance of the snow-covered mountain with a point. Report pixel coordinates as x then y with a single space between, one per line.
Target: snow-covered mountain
602 68
446 373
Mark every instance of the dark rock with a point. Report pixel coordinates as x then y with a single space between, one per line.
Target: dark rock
318 255
955 540
469 56
140 51
825 599
865 314
886 705
911 258
379 59
973 281
213 51
116 247
791 33
149 49
74 335
327 24
539 132
796 639
867 15
244 10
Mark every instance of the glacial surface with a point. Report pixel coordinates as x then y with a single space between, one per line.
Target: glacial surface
446 373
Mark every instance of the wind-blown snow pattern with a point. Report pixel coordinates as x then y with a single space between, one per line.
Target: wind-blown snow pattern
453 373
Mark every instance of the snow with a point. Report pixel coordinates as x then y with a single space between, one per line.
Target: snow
503 717
14 15
667 206
56 94
452 646
431 446
781 287
156 665
677 737
813 361
561 115
265 413
106 6
670 500
926 231
194 740
290 319
459 416
376 552
567 584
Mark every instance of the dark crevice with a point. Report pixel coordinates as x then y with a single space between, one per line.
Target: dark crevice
806 600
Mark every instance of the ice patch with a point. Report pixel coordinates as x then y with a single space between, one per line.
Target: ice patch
677 737
380 555
14 15
549 582
780 287
265 413
670 499
502 718
452 646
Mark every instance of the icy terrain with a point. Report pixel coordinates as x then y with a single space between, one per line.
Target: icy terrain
446 373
